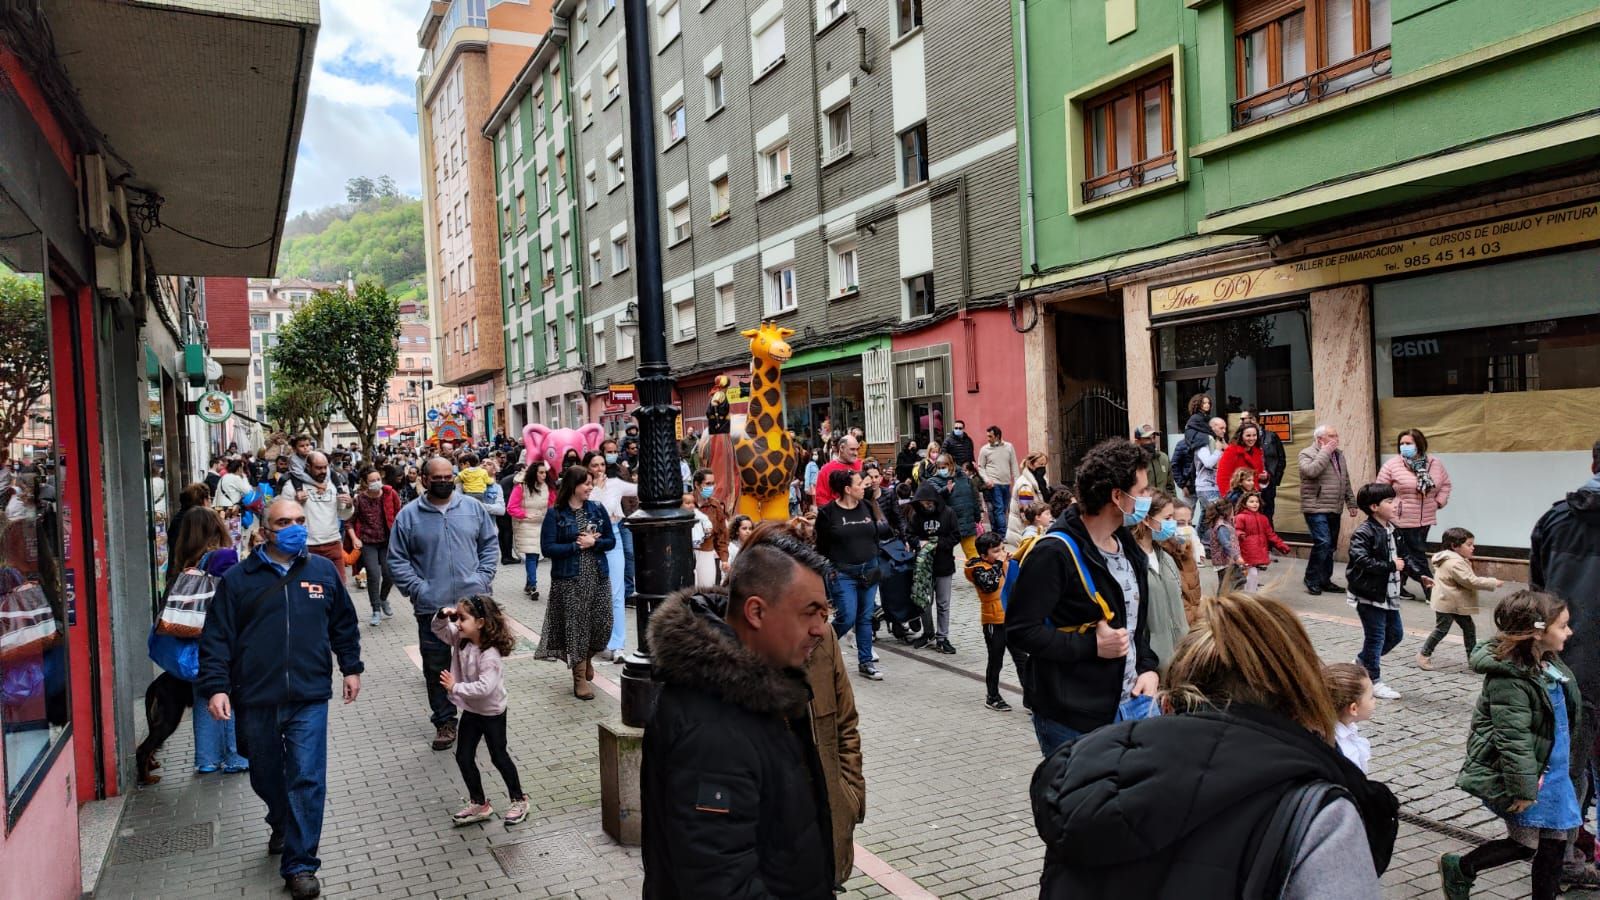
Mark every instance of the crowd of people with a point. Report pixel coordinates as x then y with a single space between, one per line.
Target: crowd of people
752 769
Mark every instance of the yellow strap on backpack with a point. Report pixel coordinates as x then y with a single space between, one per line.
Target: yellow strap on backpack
1088 585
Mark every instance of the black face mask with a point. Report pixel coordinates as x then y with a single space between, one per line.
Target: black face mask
441 490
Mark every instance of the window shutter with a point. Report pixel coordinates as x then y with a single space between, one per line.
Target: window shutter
1248 15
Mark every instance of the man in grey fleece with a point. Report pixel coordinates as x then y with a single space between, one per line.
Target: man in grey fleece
444 546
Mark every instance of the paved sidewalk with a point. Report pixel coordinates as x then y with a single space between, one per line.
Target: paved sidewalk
947 781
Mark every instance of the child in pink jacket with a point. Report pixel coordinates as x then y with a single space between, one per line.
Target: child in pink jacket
479 640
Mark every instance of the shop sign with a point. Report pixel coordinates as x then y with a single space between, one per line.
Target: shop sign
1437 250
1279 424
623 395
738 393
214 407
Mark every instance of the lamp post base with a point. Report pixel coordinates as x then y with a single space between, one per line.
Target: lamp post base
664 563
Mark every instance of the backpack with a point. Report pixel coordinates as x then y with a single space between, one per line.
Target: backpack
1088 584
1183 466
183 612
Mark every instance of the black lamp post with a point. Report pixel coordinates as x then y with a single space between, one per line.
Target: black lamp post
662 551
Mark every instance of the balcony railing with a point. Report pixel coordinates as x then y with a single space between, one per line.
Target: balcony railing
1151 170
1328 81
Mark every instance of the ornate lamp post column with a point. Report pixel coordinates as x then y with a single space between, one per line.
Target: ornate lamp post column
663 555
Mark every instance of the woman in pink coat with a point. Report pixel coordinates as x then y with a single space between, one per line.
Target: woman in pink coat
1422 488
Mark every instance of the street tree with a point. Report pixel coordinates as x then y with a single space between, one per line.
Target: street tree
296 407
24 352
344 343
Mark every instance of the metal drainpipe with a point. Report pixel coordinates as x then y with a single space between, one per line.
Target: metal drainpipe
1031 252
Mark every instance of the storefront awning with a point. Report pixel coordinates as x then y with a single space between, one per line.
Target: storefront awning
201 102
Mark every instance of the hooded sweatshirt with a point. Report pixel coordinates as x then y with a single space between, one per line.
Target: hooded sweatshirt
938 526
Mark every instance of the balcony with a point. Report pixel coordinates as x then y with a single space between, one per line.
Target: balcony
1328 81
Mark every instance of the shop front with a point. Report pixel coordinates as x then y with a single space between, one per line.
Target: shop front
825 390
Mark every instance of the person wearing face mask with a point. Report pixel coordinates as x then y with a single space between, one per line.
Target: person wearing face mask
1421 488
959 444
711 555
1079 606
444 546
272 629
1174 580
1149 439
376 507
327 504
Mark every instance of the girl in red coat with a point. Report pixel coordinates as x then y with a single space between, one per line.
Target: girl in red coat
1243 453
1255 536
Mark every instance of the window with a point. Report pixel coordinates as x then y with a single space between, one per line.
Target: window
255 366
258 296
1128 135
596 268
719 198
572 331
775 175
830 11
1291 52
668 27
779 294
541 183
914 155
683 319
843 271
677 123
613 84
552 343
559 179
919 295
466 208
726 311
597 344
255 343
258 323
410 362
586 107
516 137
619 254
527 282
908 16
617 170
590 192
474 332
716 98
624 340
766 47
260 391
547 256
522 210
678 222
583 25
837 134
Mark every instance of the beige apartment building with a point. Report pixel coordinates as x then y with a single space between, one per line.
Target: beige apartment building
472 50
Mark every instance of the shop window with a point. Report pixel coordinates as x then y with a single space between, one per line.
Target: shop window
1291 52
1127 134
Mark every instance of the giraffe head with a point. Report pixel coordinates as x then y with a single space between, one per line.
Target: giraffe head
767 342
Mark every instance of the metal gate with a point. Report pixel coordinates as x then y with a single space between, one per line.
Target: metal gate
1100 413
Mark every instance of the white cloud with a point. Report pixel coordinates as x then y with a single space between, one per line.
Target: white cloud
373 32
343 140
340 89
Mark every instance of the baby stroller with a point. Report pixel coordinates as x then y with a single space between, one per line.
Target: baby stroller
897 602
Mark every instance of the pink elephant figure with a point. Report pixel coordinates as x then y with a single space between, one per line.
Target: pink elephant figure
552 446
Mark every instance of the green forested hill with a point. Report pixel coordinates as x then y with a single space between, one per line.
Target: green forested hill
380 237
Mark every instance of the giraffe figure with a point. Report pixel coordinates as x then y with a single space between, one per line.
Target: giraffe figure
764 453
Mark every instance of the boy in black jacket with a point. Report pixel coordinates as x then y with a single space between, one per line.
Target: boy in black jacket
1087 654
1373 576
932 520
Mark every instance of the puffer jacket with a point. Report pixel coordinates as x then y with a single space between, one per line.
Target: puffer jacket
962 498
1324 481
733 792
1455 585
1513 730
1024 491
1565 560
1412 509
527 509
1177 807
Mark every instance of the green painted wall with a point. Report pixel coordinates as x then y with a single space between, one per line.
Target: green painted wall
1068 51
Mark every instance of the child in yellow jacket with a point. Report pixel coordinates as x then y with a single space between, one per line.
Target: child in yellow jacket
987 572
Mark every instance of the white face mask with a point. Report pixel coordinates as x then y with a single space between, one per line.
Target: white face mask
375 487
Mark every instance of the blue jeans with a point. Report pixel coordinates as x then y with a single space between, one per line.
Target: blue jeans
999 506
530 563
214 744
1380 632
625 534
853 599
1324 528
1052 734
619 615
288 748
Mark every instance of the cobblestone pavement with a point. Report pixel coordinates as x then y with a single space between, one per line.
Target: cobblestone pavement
947 781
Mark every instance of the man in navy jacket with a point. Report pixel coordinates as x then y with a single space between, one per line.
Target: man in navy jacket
265 656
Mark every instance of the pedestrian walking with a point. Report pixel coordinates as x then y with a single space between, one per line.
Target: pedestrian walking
1207 486
711 553
987 572
1256 538
327 504
273 627
609 493
506 479
1351 692
733 791
906 460
376 508
848 530
834 724
530 500
1212 798
1079 609
1174 581
1324 493
1521 746
959 444
578 539
1223 543
998 469
1148 438
933 535
1455 593
846 457
1422 488
443 547
961 495
479 639
1373 574
206 549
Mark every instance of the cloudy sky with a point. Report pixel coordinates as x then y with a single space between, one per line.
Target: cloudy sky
361 119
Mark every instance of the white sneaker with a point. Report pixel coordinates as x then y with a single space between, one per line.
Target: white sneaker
1384 692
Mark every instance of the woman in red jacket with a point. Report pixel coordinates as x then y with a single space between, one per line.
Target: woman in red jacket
1243 453
1255 536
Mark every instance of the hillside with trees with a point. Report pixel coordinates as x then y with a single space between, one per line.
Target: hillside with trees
377 232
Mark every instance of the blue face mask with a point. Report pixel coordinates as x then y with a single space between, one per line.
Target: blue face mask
1141 508
611 459
959 431
945 472
708 490
1409 451
1166 531
291 539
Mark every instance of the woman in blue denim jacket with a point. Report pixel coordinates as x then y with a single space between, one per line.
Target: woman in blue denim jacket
575 537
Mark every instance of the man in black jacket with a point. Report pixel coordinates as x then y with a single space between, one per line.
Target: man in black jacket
733 794
959 445
265 653
1088 653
